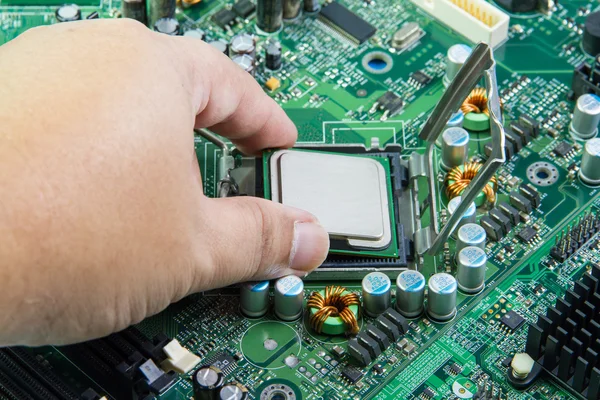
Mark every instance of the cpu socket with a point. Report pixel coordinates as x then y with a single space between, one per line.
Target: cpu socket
354 196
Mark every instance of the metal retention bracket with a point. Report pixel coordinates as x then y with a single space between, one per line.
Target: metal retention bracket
480 64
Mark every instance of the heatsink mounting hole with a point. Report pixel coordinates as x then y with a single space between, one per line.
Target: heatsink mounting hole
377 62
542 173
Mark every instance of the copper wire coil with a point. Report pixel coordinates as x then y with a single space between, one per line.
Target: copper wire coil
476 102
462 178
333 304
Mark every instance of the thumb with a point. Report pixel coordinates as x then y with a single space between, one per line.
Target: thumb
253 238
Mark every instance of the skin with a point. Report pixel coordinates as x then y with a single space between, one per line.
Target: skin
103 220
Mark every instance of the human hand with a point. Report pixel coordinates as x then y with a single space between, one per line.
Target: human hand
103 220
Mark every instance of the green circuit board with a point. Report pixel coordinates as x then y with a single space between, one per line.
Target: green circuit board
328 93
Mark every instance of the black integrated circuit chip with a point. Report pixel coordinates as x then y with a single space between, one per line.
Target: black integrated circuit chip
421 78
526 234
512 320
563 149
224 362
244 8
390 102
224 18
347 23
352 374
428 393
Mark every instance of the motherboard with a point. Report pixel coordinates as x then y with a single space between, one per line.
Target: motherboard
448 147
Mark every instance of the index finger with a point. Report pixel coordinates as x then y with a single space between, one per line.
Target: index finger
231 103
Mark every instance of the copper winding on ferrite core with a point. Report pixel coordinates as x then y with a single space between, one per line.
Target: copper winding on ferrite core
462 178
333 304
476 102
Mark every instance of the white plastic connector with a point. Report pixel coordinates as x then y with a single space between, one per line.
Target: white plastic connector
477 20
179 358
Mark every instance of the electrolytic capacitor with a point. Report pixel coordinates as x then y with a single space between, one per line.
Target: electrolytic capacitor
590 162
158 9
273 55
591 34
269 15
220 45
376 288
245 61
195 33
470 235
410 293
455 147
242 44
586 117
455 58
455 121
312 6
289 296
254 299
441 297
134 9
168 26
206 382
68 13
469 216
291 9
471 262
233 391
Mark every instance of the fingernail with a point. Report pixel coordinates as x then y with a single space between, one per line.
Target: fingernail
310 246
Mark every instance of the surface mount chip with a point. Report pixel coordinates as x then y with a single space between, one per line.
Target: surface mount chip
512 320
347 23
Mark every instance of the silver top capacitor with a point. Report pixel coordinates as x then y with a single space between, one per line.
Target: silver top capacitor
168 26
586 117
289 295
220 45
455 58
254 299
469 216
245 61
455 147
455 121
195 33
158 9
471 262
376 287
590 162
441 297
410 293
242 44
470 235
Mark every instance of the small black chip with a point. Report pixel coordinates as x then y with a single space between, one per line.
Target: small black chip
244 8
428 393
563 149
526 234
421 78
224 362
506 362
347 23
378 368
455 369
512 320
390 102
224 18
352 374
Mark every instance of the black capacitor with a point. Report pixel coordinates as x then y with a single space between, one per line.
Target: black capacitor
168 26
591 34
269 15
273 55
68 13
233 391
312 6
134 9
291 9
157 9
207 382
